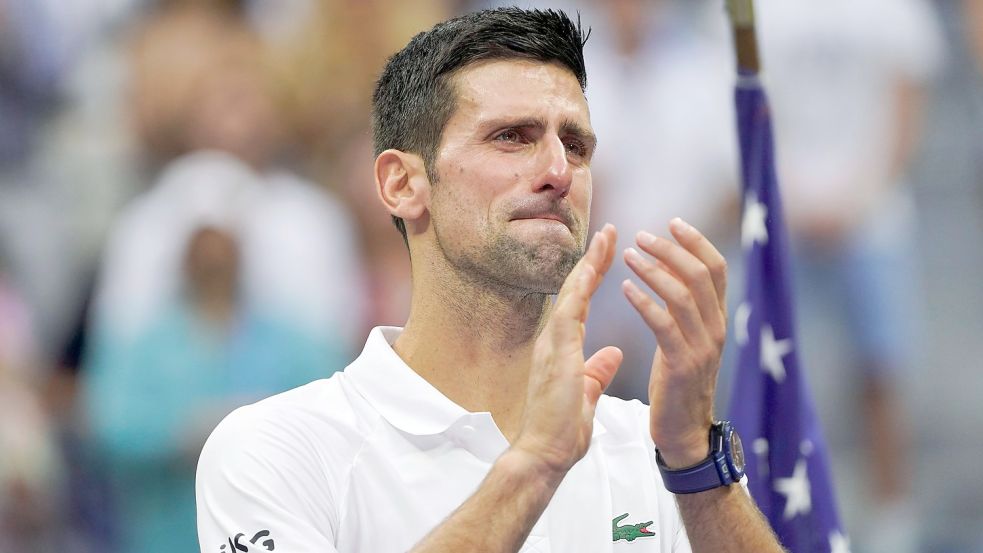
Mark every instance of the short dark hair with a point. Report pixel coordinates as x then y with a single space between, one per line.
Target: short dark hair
413 97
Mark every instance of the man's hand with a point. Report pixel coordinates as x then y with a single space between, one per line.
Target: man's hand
563 388
691 277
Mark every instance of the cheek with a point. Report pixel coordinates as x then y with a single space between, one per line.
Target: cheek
581 194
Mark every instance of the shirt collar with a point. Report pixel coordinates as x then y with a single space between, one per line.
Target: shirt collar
404 398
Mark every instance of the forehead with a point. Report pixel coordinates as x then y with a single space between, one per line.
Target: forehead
518 88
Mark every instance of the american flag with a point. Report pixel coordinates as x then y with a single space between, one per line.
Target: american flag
787 467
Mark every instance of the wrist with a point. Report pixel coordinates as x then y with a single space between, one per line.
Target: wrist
683 457
723 464
527 467
685 451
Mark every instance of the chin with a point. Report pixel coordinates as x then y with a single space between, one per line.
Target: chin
545 269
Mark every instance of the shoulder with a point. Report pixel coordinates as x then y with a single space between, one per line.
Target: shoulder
304 440
318 419
284 461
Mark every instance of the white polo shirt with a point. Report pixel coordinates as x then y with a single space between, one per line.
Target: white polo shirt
373 458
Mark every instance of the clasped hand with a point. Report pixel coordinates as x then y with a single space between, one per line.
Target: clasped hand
689 275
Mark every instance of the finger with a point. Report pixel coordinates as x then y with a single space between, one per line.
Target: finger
599 371
591 257
611 236
697 244
599 257
662 323
569 314
691 271
678 297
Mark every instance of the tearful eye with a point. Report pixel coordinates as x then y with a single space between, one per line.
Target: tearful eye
576 148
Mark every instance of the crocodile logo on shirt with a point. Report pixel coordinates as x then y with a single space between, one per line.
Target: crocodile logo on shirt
630 531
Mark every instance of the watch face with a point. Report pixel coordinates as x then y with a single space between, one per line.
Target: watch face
737 452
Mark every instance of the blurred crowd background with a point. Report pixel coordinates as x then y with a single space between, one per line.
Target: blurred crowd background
188 223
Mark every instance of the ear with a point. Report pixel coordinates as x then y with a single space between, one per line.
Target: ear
402 184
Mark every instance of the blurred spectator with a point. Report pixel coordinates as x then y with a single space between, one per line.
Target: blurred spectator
154 399
974 37
660 98
36 48
974 19
299 255
329 66
387 270
847 96
200 83
187 59
32 62
30 467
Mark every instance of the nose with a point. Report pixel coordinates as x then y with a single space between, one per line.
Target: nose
557 175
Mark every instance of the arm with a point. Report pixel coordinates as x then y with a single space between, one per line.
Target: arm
500 515
690 276
556 427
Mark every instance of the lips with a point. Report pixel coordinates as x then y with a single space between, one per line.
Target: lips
560 216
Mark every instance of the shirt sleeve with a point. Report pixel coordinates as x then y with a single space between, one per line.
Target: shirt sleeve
258 489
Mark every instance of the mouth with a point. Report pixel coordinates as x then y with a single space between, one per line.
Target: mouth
558 217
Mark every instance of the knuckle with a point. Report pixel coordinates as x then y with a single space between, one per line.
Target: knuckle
719 337
679 295
719 267
720 331
664 324
699 273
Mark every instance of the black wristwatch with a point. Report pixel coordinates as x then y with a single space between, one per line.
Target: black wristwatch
723 467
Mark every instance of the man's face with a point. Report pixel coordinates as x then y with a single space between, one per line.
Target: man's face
511 202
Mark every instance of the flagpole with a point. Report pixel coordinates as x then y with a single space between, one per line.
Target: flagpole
788 470
745 37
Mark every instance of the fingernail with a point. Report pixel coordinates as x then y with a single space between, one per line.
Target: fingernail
633 254
681 226
646 238
629 287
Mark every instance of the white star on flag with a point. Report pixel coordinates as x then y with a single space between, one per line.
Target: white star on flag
760 448
772 351
838 543
741 317
795 488
753 228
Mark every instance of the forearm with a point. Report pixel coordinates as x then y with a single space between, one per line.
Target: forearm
501 513
726 520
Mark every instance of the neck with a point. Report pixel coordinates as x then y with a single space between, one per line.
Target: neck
216 309
474 343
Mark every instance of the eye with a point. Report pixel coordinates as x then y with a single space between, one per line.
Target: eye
509 135
576 147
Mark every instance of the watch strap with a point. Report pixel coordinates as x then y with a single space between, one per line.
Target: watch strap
710 473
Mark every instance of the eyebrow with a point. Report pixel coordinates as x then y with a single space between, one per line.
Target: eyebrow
567 127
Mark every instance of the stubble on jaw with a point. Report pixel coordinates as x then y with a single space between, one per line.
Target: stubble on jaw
506 265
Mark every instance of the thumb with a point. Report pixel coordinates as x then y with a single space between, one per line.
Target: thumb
599 370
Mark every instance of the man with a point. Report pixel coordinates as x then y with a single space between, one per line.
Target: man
480 426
